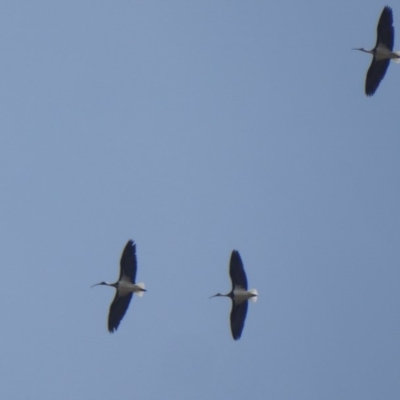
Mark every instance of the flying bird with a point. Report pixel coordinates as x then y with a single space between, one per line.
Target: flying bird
239 294
382 52
125 286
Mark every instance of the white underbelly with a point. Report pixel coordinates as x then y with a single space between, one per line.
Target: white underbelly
242 295
383 53
127 287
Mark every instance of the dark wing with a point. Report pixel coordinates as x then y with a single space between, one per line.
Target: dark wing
117 310
236 271
375 74
238 316
128 261
385 30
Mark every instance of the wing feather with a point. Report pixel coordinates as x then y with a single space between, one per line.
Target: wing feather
375 74
117 310
385 29
236 270
238 317
128 261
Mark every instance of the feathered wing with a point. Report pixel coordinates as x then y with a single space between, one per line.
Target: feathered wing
385 29
375 74
117 310
128 261
238 317
236 271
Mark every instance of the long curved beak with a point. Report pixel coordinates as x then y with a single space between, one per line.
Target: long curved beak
363 50
215 295
97 284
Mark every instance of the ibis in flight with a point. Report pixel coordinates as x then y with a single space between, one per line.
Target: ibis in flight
125 286
382 53
239 294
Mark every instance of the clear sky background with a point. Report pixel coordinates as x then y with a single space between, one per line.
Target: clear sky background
195 128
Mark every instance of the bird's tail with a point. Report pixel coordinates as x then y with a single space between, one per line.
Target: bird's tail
396 60
141 286
254 292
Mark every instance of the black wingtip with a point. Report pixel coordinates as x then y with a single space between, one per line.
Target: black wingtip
130 243
388 9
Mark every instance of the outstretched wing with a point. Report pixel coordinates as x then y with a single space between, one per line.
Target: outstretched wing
236 271
238 316
375 74
385 29
128 261
117 310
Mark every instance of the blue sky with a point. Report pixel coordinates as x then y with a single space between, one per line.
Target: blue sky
196 128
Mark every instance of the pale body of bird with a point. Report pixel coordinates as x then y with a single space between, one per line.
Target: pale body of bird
383 53
240 295
125 286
